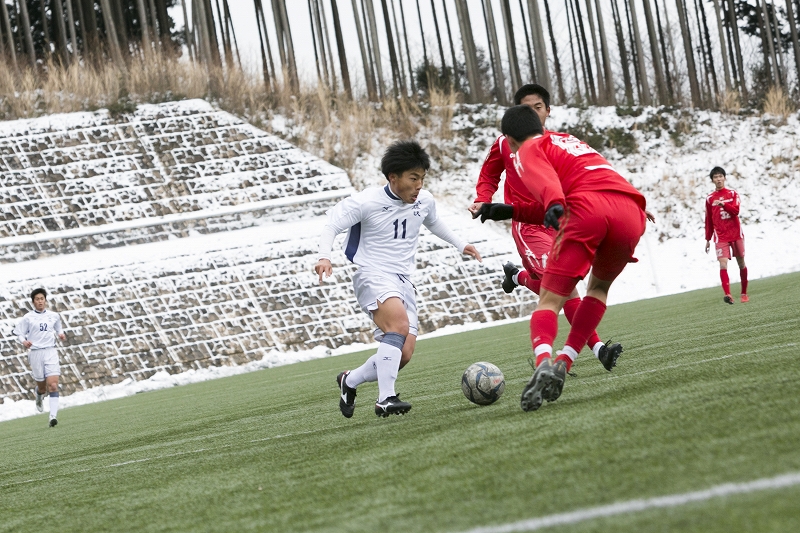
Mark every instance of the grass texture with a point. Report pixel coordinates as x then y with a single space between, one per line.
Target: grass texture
704 394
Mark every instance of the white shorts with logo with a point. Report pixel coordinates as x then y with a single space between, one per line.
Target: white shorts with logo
44 363
373 286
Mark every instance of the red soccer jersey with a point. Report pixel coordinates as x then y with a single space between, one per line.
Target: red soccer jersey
722 221
557 166
499 159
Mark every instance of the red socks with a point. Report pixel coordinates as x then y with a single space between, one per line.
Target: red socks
570 307
743 274
726 283
544 328
525 279
586 319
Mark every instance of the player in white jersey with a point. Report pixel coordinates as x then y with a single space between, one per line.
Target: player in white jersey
38 331
383 225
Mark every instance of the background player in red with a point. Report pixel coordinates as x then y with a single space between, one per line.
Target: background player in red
533 240
722 225
600 218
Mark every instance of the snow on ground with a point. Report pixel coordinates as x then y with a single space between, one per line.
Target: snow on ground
675 149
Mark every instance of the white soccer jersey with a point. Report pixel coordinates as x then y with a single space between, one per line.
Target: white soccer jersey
382 230
39 328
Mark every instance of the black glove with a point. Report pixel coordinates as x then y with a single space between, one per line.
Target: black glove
554 212
489 211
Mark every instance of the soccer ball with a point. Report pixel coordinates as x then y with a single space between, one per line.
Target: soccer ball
483 383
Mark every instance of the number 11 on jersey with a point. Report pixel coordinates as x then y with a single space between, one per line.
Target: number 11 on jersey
397 225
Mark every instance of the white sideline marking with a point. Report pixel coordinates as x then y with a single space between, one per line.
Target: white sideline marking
632 506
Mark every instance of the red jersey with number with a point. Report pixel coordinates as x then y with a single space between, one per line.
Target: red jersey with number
722 221
499 159
557 166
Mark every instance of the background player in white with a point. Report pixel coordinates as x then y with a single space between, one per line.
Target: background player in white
383 225
38 331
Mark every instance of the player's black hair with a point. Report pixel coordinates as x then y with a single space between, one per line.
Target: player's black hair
520 122
717 170
529 89
402 156
38 291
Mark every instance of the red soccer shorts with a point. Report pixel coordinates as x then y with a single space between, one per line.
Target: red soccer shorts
533 244
724 249
600 231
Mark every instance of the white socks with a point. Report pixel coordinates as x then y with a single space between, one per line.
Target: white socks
388 363
596 348
53 404
366 372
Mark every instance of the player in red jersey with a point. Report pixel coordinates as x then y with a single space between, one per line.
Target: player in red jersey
722 224
533 240
599 217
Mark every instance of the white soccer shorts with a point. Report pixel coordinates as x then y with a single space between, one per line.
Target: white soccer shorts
372 287
44 363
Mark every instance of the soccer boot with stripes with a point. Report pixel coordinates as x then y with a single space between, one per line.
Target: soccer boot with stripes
728 299
347 395
39 399
391 406
509 271
609 353
533 393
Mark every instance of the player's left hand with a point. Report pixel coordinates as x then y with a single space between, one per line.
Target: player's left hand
554 213
650 216
62 337
323 267
472 251
492 211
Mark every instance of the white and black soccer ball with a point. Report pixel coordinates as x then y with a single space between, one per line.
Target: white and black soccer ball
483 383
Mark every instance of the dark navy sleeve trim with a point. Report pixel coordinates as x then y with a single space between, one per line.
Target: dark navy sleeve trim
352 242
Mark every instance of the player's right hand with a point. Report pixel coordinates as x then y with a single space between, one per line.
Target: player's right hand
554 212
27 344
323 268
473 209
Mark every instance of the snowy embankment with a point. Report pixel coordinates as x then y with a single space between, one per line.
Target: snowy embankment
666 154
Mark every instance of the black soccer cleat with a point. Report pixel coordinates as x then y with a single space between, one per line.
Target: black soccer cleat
609 353
392 406
728 299
53 422
558 375
533 392
509 269
347 398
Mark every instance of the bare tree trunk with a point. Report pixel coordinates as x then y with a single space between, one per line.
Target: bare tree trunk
111 32
337 29
71 23
661 86
10 36
601 84
452 48
228 28
204 39
623 54
424 46
439 39
470 55
780 66
121 27
539 47
735 31
401 59
45 28
327 35
61 27
611 96
261 38
408 52
397 81
286 43
709 50
373 25
634 56
367 39
368 78
559 79
675 76
793 32
187 33
664 53
645 98
154 25
528 41
572 52
497 66
143 24
314 40
26 29
705 81
511 45
319 42
687 48
722 46
587 63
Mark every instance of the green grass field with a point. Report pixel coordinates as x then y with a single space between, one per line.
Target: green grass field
704 394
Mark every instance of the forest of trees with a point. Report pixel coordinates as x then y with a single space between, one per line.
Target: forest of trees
695 60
